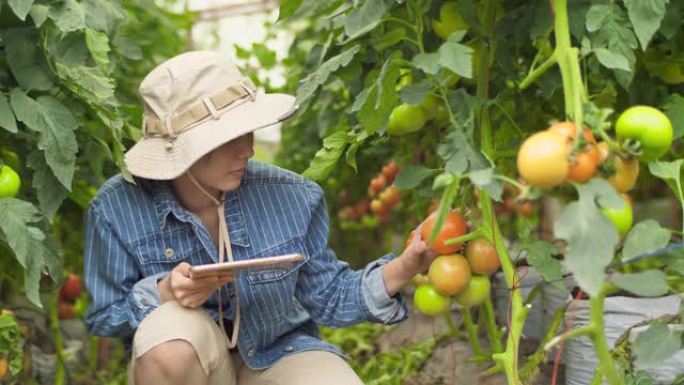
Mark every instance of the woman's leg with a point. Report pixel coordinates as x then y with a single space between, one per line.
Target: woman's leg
306 368
178 345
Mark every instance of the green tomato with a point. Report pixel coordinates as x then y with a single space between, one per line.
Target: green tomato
650 127
405 119
430 105
428 300
621 218
477 291
449 21
9 182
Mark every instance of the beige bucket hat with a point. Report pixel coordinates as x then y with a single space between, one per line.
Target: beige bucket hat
194 103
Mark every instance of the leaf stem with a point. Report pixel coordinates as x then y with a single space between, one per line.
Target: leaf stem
465 238
537 72
572 333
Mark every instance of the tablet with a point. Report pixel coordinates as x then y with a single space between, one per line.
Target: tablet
284 261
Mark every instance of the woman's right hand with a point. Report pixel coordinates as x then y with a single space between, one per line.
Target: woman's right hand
189 292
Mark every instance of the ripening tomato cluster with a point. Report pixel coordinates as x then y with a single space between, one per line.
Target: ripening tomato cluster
451 275
549 158
381 199
69 293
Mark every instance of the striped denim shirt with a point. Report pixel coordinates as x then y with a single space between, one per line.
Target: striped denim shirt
135 234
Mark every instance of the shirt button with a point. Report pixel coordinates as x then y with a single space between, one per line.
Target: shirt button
169 252
251 353
288 349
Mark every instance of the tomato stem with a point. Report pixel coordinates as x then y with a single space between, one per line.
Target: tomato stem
465 238
472 332
493 332
605 360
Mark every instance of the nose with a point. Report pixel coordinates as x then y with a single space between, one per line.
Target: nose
248 146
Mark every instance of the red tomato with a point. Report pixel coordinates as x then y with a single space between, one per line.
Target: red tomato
454 226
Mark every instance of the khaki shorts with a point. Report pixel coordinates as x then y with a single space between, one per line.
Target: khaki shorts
172 321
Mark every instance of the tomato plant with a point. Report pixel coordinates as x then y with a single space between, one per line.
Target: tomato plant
449 274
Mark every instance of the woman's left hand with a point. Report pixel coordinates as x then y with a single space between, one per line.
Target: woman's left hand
415 259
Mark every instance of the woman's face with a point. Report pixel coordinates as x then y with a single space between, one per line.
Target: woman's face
223 168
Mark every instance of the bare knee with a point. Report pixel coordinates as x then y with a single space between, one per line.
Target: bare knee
170 361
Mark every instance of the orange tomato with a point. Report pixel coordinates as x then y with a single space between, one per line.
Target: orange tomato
482 256
449 274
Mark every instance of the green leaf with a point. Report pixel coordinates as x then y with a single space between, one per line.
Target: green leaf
89 83
326 158
411 176
29 243
351 155
50 192
427 62
414 94
645 237
39 13
671 173
456 57
382 97
443 180
646 16
365 18
314 80
590 237
612 60
655 344
288 8
127 47
459 154
7 120
607 24
23 59
68 15
20 7
98 45
56 126
484 179
266 56
540 256
674 109
648 283
672 20
103 16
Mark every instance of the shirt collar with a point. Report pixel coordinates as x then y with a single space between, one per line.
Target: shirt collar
165 203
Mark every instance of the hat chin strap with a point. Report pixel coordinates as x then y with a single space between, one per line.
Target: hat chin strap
224 247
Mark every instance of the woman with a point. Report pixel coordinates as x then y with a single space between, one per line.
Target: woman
198 199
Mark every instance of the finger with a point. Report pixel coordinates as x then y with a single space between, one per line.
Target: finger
183 268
